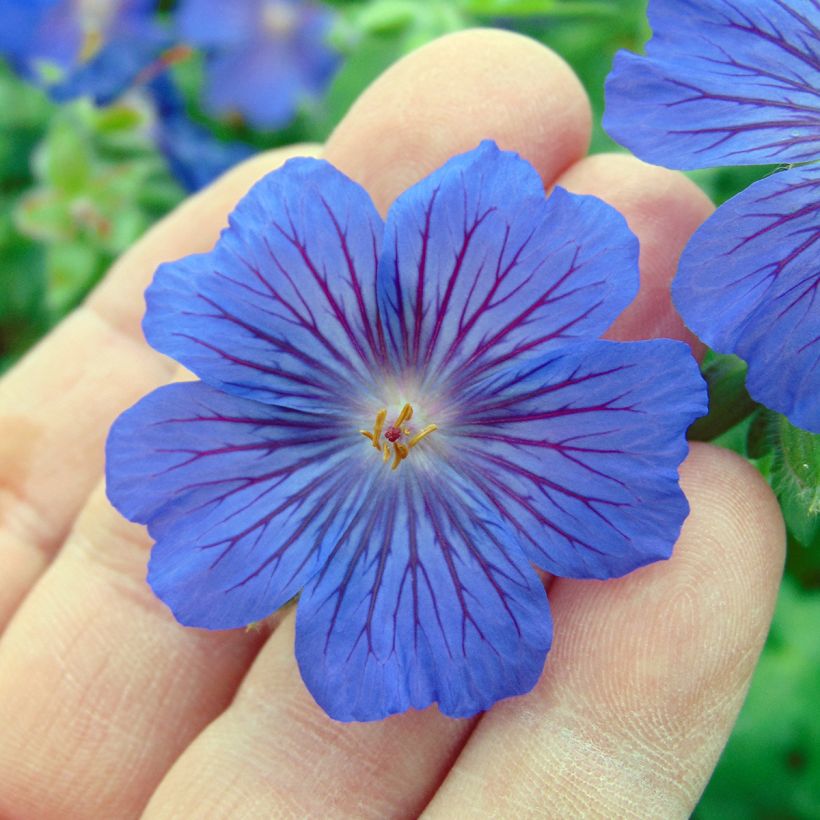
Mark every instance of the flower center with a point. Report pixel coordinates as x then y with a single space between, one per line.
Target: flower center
279 19
394 435
94 16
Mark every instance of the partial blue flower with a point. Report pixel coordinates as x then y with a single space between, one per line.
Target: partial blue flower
765 304
396 420
737 82
723 82
263 57
194 154
78 48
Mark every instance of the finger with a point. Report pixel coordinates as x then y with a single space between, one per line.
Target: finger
275 753
647 673
454 93
663 208
159 737
99 688
57 404
253 758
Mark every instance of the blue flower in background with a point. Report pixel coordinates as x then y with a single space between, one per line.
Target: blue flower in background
263 57
195 155
80 47
739 83
395 419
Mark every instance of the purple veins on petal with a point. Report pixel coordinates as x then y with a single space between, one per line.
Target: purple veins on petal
242 498
283 309
748 284
579 452
479 267
425 598
399 433
724 82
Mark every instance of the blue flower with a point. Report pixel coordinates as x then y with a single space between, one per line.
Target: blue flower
263 56
396 420
734 82
194 154
80 47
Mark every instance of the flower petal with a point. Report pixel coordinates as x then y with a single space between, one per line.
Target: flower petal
283 310
263 58
723 83
425 598
195 155
54 33
749 283
239 495
215 23
479 268
259 81
133 46
579 451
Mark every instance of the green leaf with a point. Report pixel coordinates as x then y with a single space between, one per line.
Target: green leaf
71 268
372 56
43 214
24 114
64 160
541 8
729 403
796 479
118 118
386 16
759 438
23 316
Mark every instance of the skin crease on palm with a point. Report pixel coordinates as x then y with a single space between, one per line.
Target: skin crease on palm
110 709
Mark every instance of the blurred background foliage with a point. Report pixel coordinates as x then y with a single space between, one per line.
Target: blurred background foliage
94 151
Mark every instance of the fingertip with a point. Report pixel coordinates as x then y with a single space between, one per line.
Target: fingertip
632 183
447 96
741 509
647 673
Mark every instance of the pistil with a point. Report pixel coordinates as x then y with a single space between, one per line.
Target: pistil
394 435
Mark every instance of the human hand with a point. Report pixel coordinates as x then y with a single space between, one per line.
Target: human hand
108 705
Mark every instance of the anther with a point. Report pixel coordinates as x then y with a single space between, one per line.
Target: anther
401 453
377 429
405 415
421 434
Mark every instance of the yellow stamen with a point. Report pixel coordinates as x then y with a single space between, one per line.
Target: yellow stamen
405 415
377 429
421 434
400 449
401 453
91 45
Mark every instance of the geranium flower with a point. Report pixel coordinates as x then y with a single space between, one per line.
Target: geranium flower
263 57
397 420
81 47
738 83
194 154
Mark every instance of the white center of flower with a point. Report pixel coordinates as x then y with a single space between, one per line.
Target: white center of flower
278 18
95 15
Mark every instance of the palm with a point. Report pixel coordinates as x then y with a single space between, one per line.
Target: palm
108 705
